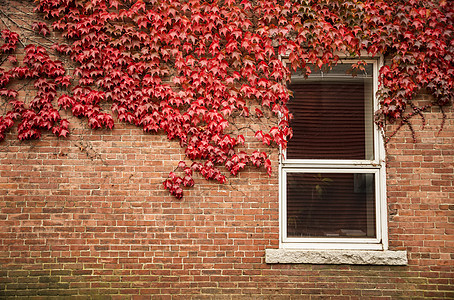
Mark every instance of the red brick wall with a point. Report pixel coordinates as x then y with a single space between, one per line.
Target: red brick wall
87 217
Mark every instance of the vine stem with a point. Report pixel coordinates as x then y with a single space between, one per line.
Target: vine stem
406 121
3 60
443 120
9 18
24 28
41 44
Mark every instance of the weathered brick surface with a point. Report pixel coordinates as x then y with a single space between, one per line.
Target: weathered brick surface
87 217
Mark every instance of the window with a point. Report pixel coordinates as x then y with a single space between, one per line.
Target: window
332 174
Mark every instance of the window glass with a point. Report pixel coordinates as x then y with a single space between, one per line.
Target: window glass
332 115
331 205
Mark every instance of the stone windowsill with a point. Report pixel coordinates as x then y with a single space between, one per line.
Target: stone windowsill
352 257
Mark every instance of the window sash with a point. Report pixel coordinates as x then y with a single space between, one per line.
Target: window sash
305 242
376 135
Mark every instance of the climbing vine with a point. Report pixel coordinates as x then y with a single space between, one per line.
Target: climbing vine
187 68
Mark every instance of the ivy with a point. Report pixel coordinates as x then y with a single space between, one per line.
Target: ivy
187 68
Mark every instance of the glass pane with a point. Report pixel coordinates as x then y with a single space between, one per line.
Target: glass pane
333 116
331 205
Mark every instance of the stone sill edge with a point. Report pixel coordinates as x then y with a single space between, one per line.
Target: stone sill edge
350 257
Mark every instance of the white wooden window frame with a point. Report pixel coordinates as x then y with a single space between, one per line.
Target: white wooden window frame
375 166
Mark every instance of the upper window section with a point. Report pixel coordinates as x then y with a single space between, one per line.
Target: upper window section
332 114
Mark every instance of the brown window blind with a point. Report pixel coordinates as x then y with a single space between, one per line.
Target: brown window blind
329 120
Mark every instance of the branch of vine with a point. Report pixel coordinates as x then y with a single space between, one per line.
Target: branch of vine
25 28
406 121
